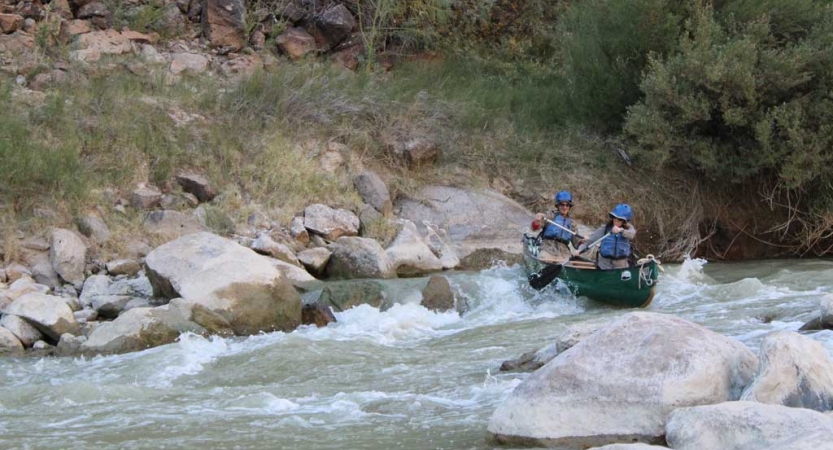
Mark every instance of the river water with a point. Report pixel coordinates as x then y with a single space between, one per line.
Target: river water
405 378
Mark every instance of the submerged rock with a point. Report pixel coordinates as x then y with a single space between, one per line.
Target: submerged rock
317 314
343 295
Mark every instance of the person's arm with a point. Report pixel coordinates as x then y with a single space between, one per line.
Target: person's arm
575 240
629 232
593 238
539 223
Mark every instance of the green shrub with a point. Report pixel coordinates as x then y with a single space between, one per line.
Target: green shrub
740 101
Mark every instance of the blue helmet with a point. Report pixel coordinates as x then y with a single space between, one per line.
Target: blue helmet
622 211
564 196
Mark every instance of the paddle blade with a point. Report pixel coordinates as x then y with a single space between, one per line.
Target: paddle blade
544 277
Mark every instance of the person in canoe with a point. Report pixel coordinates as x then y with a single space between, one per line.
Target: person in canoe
615 248
559 230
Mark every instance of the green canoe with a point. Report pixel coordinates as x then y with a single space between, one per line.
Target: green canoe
628 288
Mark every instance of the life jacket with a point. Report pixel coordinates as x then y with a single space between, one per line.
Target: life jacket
615 246
553 232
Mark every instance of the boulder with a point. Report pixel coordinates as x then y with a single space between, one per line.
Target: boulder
16 271
266 246
330 223
299 232
294 274
23 330
70 344
129 267
193 311
333 26
16 44
741 426
813 441
139 329
72 28
374 192
68 254
197 185
344 295
315 259
171 223
227 278
825 319
317 314
42 270
437 295
795 371
355 257
417 152
296 43
629 447
486 258
9 343
223 24
620 383
472 220
93 227
108 42
192 63
94 286
241 66
534 360
9 23
409 253
49 314
145 197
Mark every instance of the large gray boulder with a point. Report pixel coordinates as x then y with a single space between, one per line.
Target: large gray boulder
814 441
48 313
409 253
795 371
68 254
227 278
23 330
741 426
472 219
571 336
620 383
139 329
374 192
9 342
330 223
629 447
315 259
355 257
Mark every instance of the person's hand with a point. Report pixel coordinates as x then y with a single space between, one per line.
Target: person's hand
616 230
575 252
539 217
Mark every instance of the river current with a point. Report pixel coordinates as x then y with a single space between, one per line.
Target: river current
405 378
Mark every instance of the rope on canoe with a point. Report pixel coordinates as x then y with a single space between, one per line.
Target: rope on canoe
645 270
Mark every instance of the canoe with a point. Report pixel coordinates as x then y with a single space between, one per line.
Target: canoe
633 287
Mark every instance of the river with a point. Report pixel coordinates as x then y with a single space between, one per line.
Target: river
405 378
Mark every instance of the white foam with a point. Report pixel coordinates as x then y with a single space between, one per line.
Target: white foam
187 357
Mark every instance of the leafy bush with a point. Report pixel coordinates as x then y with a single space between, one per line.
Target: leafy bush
604 47
741 100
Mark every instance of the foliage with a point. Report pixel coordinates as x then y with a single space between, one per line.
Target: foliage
604 47
741 100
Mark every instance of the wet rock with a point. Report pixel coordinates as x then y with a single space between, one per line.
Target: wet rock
49 314
145 197
68 254
23 330
795 371
741 426
317 314
437 296
341 296
825 319
223 23
197 185
623 381
296 43
139 329
532 361
333 26
374 192
355 257
315 259
231 280
330 223
410 255
94 228
193 311
472 219
9 343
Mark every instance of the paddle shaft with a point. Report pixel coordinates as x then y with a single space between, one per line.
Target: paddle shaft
595 243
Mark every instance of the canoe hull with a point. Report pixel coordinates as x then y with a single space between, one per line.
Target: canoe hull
633 287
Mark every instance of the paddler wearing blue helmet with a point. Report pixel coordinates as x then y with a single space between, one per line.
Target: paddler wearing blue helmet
559 230
615 248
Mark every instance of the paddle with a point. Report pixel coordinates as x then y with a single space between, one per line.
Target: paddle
545 276
565 229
